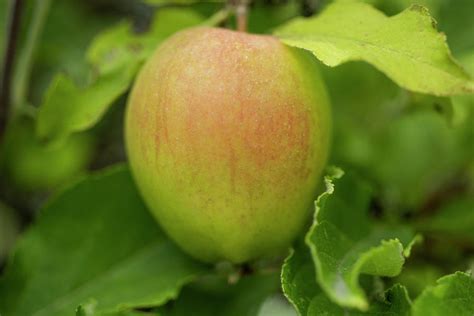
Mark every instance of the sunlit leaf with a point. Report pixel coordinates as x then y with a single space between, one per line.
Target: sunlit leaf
301 289
345 243
406 47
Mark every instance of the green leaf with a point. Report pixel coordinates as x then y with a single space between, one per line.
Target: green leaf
114 47
398 138
119 45
344 242
391 7
455 19
249 294
427 149
165 2
67 109
215 296
416 277
276 305
395 301
463 104
116 55
90 309
406 47
56 51
300 287
95 241
453 295
388 129
263 18
454 219
298 279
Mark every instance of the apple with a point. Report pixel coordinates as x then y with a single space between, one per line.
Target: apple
227 134
32 166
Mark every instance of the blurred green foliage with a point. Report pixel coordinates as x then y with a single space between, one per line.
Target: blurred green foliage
75 241
30 165
414 152
9 228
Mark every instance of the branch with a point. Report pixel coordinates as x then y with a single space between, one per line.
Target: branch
8 61
25 59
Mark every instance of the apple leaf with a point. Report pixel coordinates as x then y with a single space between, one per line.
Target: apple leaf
249 294
213 295
429 152
395 301
95 241
345 243
406 47
68 108
276 305
116 55
181 2
119 45
417 276
298 280
453 295
464 103
454 219
455 19
301 289
89 309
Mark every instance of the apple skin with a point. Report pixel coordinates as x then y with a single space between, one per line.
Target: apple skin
227 134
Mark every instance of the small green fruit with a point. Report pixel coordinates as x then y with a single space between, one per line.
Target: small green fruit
31 166
227 134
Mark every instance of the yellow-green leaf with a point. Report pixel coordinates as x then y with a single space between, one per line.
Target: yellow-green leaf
407 47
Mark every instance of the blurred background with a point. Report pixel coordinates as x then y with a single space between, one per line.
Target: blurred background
416 150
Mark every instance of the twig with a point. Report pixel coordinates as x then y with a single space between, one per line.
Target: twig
8 61
23 68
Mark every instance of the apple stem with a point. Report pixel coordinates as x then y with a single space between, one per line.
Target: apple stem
241 12
239 8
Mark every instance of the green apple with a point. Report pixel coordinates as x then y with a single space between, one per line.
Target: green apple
227 134
31 166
